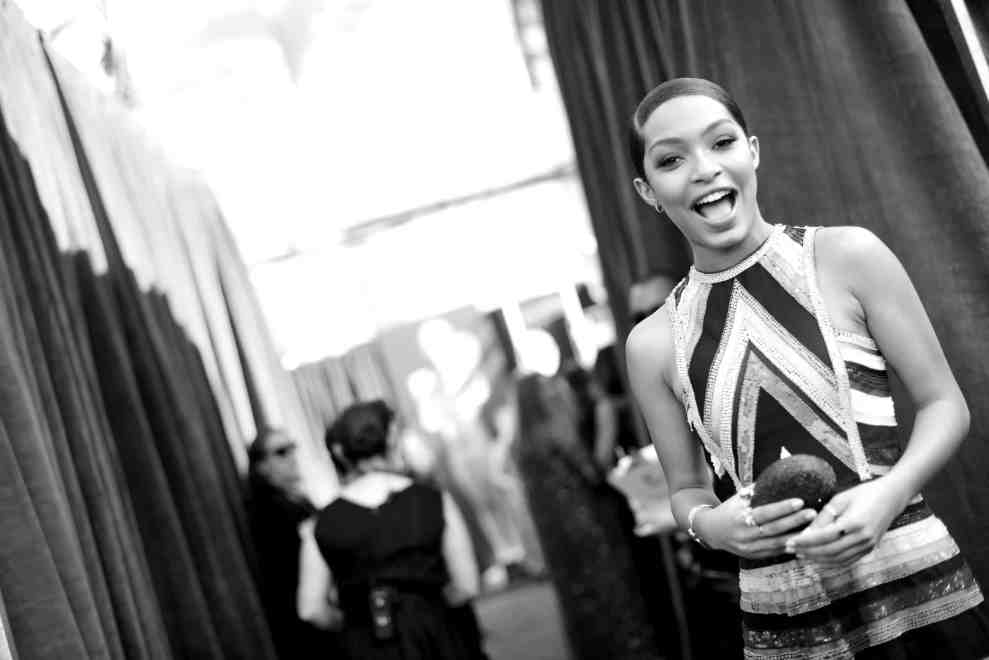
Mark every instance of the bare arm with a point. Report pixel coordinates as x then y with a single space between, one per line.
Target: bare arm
459 555
649 351
315 583
651 367
855 261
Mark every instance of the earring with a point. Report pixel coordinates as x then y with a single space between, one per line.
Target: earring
659 209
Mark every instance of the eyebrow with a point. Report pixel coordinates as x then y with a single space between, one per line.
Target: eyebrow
713 125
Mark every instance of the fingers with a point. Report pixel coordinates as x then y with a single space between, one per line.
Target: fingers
831 539
788 523
770 512
761 529
774 519
822 529
826 549
816 536
843 551
762 547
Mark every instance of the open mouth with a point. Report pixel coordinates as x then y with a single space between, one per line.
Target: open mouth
716 205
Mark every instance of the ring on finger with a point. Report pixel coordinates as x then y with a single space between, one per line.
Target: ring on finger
750 519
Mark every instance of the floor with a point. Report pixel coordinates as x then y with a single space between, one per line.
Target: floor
523 623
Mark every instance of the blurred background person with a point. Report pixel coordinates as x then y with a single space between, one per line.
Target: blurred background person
396 550
585 547
276 507
608 377
605 429
597 422
500 415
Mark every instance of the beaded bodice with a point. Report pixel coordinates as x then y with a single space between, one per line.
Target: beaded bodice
764 373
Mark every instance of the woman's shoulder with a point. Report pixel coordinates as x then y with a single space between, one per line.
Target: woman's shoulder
649 347
848 241
371 490
853 254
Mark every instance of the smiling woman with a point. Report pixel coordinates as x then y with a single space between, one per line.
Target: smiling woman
696 164
776 343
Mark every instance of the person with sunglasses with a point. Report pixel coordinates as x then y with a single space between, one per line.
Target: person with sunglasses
276 506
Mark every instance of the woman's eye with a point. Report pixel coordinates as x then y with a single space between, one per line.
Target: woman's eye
667 162
725 142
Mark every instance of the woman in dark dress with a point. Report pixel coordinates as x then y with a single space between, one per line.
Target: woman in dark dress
396 551
276 506
581 533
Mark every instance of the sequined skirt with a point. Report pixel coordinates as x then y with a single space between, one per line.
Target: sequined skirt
915 577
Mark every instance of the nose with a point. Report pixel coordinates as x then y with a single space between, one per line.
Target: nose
705 167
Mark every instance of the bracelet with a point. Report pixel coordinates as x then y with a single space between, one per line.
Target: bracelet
690 523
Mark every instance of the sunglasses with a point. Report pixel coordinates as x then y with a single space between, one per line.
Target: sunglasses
281 452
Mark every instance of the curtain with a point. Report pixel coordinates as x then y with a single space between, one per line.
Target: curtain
129 345
75 583
328 386
857 125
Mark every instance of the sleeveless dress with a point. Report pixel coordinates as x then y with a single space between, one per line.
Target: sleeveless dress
397 545
582 529
764 374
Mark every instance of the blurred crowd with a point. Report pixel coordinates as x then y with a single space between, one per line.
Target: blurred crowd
549 480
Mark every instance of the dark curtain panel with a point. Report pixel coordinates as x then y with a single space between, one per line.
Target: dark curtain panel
942 31
857 125
605 55
76 584
124 531
191 448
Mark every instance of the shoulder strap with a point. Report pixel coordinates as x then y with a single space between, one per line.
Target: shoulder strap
686 393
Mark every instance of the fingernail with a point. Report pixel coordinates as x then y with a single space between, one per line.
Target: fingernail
810 515
800 555
796 504
788 547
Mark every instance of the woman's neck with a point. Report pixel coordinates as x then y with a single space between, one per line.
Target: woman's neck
378 464
713 260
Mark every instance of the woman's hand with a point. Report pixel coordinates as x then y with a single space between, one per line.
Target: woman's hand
751 533
851 524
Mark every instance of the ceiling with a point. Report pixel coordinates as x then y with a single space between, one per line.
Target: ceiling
319 123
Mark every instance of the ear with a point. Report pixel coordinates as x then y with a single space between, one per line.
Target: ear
754 148
645 191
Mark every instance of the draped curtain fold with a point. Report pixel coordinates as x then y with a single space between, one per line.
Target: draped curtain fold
328 386
124 407
857 125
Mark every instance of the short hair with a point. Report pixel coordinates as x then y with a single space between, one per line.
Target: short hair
666 91
360 431
257 451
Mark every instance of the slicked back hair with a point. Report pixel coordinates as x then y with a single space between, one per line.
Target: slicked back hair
662 93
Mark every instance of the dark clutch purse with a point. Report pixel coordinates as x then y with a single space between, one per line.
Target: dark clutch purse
805 476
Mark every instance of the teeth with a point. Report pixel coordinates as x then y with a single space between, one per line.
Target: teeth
712 197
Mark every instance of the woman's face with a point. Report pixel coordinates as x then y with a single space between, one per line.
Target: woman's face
280 466
701 169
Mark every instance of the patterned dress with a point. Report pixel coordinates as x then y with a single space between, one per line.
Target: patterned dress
765 374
